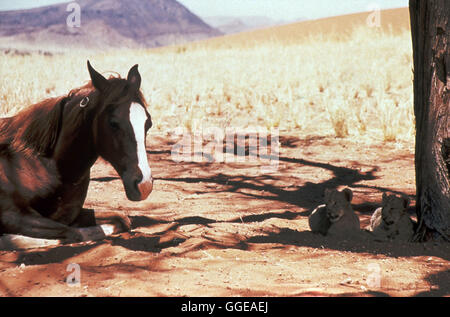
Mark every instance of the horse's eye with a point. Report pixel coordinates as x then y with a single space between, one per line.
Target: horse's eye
114 124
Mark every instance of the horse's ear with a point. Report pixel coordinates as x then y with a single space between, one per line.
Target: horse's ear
134 78
99 82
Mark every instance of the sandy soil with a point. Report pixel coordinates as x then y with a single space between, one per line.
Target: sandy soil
216 229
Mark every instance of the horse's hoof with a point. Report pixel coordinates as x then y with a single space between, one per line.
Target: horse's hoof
73 235
122 224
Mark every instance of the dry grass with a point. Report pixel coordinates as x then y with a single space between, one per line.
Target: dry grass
355 86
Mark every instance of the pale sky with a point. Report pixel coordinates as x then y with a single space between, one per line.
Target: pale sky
275 9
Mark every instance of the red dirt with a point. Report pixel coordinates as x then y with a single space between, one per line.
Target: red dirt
216 229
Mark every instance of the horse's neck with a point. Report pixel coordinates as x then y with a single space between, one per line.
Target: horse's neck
75 155
76 167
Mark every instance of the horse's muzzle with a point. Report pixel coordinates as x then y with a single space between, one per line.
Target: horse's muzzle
145 188
137 189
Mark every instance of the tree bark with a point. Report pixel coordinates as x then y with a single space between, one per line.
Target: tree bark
430 26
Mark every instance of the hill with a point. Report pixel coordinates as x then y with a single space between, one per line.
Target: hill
105 24
334 28
231 25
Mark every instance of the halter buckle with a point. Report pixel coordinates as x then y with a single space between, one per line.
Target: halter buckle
84 102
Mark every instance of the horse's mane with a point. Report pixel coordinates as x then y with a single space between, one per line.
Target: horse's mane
37 127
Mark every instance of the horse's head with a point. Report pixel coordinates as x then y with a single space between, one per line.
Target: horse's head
120 129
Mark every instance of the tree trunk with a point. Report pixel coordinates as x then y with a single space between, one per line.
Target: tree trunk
430 26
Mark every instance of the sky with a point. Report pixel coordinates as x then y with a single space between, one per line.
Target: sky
285 10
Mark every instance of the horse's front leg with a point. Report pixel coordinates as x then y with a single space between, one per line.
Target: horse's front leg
72 213
30 223
110 222
92 225
70 200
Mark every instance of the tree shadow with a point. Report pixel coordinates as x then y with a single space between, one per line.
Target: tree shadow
146 243
129 240
144 221
441 285
54 255
364 244
286 237
263 217
151 152
295 142
307 196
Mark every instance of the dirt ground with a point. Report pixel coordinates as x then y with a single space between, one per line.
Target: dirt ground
228 229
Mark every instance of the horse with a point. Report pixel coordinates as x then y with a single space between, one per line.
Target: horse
47 151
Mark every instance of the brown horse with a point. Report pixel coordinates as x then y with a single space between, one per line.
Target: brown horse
48 149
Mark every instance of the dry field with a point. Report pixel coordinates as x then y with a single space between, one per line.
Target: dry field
340 94
351 84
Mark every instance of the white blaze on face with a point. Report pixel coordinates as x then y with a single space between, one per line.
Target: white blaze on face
138 117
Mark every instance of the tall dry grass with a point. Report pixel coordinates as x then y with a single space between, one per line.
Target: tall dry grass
359 86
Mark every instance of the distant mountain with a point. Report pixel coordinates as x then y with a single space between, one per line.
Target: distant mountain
105 24
230 25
